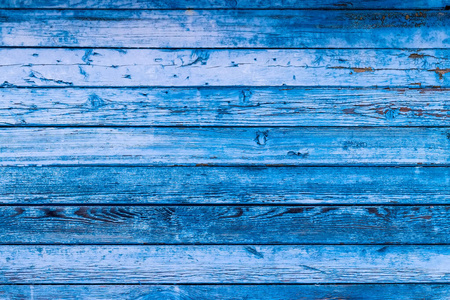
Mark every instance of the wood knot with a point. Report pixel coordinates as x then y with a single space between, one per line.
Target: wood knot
261 137
245 95
95 101
390 114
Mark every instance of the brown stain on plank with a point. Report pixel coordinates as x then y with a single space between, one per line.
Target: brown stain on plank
362 70
350 111
416 56
440 72
405 109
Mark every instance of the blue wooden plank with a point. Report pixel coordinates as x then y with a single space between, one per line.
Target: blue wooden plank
218 185
222 106
225 146
224 225
228 292
232 185
223 264
225 4
226 28
226 67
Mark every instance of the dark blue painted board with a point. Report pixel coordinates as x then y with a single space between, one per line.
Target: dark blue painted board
226 28
225 224
228 292
226 4
224 185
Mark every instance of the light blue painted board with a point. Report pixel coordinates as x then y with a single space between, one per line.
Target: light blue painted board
223 106
197 146
223 264
227 67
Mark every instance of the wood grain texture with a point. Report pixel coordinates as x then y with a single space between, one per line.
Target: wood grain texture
223 264
226 28
225 224
228 292
231 185
225 107
225 146
226 67
218 185
226 4
224 149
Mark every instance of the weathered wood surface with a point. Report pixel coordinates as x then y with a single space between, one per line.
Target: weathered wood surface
225 224
218 185
226 28
225 146
226 4
217 144
225 107
225 67
223 264
228 292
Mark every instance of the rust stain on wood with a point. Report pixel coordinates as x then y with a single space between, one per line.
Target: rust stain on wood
362 70
440 72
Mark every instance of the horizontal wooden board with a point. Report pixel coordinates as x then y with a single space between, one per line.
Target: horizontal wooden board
225 146
227 292
226 28
218 185
225 107
224 264
234 67
225 224
226 4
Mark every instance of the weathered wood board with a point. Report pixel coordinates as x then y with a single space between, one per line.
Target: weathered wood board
225 4
227 292
381 68
225 186
228 264
166 146
226 28
225 225
224 106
